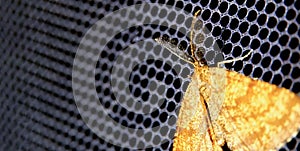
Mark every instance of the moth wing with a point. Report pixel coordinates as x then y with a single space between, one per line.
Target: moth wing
192 131
257 114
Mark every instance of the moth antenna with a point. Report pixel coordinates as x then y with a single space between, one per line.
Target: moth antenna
174 49
192 34
235 59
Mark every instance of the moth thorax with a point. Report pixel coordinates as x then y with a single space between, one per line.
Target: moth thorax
203 73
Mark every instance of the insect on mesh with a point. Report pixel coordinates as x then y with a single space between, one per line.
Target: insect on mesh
39 41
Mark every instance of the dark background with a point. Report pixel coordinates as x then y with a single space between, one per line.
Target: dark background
39 39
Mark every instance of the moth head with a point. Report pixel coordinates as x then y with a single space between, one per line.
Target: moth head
199 56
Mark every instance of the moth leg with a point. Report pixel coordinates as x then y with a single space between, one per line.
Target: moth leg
235 59
169 45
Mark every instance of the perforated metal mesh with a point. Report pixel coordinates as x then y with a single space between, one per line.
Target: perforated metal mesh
39 40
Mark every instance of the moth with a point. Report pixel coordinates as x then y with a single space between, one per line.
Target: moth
225 110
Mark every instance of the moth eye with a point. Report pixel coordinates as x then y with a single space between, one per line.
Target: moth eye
202 61
199 55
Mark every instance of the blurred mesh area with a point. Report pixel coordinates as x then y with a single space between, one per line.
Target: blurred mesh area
39 40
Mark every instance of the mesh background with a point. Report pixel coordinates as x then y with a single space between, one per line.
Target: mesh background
39 39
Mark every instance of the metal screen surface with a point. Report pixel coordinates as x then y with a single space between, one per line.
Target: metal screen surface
139 84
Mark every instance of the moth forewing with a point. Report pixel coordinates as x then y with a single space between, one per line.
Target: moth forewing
217 91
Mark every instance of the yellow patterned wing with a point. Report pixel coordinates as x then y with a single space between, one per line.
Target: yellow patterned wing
263 116
191 132
251 114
